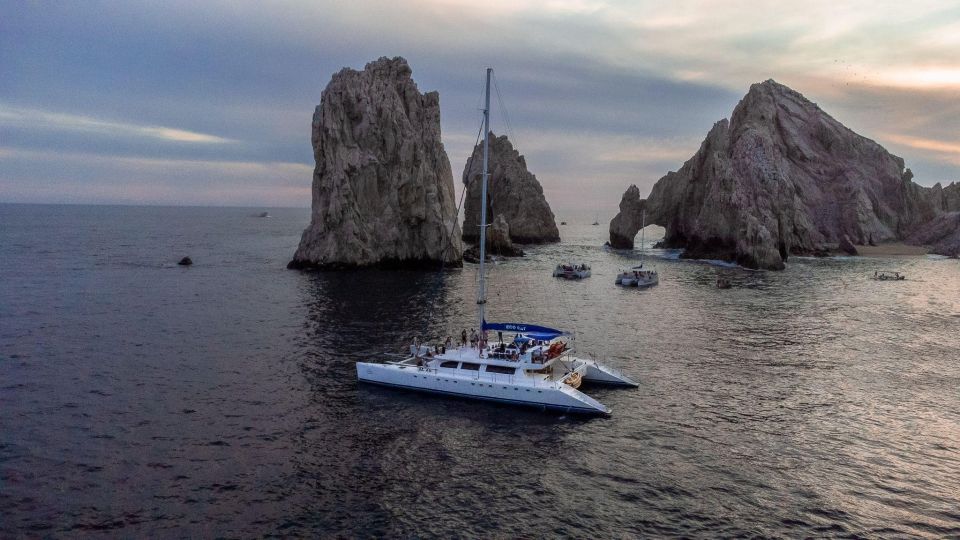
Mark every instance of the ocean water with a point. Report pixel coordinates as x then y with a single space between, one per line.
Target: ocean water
143 399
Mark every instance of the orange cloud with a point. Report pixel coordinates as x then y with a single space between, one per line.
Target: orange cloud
948 152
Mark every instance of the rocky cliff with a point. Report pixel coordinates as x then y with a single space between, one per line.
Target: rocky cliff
946 199
780 177
512 192
382 186
941 234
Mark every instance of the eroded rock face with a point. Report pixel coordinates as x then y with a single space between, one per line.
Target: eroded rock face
780 177
382 187
498 242
624 226
941 234
947 199
512 191
498 239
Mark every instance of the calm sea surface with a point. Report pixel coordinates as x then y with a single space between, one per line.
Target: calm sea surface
143 399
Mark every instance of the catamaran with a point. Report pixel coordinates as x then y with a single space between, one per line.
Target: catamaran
571 271
534 366
638 276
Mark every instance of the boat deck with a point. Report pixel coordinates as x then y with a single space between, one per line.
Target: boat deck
467 363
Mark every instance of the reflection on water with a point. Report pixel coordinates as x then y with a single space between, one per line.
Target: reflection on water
144 399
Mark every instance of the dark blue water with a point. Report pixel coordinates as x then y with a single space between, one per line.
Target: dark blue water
139 398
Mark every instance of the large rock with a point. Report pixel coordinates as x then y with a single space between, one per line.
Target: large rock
624 226
498 239
512 191
941 234
780 177
382 187
498 242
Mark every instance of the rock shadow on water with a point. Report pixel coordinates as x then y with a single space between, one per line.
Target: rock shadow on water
353 316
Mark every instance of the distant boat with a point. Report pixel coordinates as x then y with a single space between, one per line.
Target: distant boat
596 223
638 276
263 214
596 219
563 222
571 271
888 275
532 367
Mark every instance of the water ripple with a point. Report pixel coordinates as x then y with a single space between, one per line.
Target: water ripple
145 399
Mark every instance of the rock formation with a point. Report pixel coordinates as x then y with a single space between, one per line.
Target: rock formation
846 245
498 242
382 186
941 234
498 239
780 177
947 199
512 191
624 226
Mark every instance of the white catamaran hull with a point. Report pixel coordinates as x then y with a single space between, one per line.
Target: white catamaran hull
507 389
601 374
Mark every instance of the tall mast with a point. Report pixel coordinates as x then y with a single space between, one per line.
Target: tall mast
482 293
643 225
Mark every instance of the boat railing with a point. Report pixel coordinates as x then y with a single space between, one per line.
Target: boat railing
495 378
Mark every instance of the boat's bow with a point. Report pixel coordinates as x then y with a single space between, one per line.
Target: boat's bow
586 403
602 374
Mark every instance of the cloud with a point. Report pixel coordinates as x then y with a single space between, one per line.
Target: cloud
947 152
37 119
57 177
601 93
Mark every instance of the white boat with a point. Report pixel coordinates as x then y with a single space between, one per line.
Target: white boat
638 276
534 366
571 271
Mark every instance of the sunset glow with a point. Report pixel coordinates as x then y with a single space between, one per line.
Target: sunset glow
619 92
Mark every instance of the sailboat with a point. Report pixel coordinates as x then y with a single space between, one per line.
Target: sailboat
638 276
528 365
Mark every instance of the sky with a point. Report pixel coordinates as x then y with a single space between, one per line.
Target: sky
210 103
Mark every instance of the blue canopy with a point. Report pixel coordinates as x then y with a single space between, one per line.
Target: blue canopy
529 330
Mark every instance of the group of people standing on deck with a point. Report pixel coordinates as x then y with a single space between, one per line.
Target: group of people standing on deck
476 340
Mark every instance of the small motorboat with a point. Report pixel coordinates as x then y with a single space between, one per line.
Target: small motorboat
637 277
888 275
571 271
